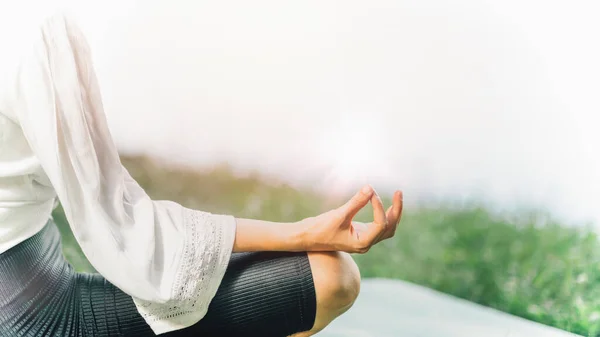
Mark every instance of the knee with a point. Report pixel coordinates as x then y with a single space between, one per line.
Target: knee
337 280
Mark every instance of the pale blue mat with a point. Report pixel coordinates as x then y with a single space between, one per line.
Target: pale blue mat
388 308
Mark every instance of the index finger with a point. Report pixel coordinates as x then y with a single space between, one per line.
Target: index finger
378 211
357 202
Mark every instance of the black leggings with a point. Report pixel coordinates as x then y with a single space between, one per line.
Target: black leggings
262 294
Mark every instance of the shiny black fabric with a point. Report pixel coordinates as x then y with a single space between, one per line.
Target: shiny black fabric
262 294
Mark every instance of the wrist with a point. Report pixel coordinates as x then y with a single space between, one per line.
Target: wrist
301 235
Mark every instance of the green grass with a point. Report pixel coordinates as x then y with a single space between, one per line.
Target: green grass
530 266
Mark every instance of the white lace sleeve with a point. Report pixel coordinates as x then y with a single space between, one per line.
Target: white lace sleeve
170 259
206 253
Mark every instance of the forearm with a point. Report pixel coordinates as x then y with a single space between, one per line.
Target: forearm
257 235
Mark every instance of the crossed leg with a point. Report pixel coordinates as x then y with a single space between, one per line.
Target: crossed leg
337 285
262 294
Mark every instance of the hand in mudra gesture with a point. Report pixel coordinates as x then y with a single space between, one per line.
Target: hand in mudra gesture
336 231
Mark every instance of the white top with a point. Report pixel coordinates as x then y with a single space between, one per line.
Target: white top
54 142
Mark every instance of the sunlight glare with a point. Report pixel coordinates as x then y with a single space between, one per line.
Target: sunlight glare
354 153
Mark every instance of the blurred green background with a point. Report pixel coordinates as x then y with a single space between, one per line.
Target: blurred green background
525 264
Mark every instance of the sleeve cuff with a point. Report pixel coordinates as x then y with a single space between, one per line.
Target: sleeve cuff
208 245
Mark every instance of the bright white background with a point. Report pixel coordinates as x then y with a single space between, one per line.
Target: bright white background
445 99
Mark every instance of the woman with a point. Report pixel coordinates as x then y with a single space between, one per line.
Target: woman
163 269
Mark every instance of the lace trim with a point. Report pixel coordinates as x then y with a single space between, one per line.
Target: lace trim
198 277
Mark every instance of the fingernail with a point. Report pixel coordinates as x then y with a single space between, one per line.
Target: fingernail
366 189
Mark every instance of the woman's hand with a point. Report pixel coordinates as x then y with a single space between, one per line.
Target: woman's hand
330 231
335 230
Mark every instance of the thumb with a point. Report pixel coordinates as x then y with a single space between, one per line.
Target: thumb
357 202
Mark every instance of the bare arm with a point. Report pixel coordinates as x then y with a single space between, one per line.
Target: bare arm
257 235
330 231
